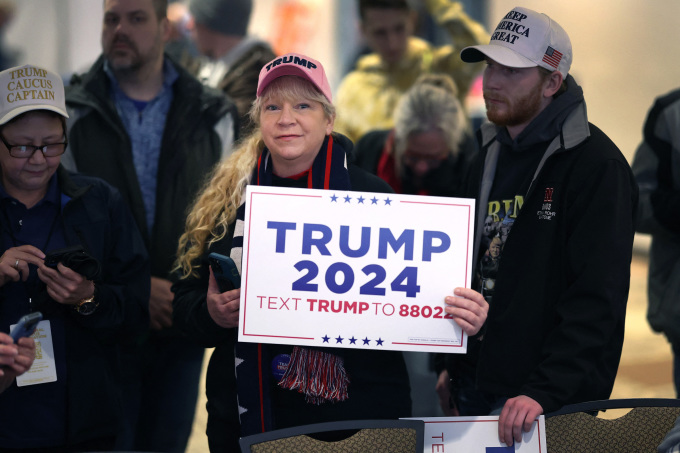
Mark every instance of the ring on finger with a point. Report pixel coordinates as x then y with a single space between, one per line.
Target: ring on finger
16 264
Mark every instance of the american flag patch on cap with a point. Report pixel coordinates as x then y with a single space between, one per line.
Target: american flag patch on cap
552 57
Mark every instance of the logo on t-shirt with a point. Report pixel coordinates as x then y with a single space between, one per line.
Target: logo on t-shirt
501 215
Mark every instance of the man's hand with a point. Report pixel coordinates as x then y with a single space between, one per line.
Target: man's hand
518 415
468 308
65 285
443 389
160 303
223 307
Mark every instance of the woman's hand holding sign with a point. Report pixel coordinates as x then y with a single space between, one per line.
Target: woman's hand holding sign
468 308
223 307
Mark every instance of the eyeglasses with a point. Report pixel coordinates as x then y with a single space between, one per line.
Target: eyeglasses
27 151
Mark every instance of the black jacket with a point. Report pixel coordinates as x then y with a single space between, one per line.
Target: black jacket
99 146
97 218
555 327
656 168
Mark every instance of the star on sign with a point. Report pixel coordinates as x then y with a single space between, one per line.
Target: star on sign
352 340
366 341
388 202
339 340
361 200
374 200
325 338
334 198
347 198
379 341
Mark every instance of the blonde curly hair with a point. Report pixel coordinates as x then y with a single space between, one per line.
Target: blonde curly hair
216 205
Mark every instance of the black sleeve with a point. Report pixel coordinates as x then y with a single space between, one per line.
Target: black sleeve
368 149
189 307
122 288
362 181
665 200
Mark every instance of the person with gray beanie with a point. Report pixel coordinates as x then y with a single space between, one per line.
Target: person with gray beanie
230 58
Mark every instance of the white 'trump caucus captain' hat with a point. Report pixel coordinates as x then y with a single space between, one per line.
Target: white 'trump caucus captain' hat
524 39
27 88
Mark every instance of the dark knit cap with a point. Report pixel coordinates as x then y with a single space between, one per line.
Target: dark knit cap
229 17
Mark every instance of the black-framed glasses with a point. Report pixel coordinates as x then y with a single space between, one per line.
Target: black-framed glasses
27 151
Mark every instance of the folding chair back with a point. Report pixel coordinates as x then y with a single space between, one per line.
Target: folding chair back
577 428
375 436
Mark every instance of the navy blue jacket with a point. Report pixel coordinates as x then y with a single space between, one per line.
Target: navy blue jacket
96 218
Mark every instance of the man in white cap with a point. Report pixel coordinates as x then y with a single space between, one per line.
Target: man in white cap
567 200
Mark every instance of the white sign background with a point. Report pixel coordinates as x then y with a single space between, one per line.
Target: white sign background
273 312
478 435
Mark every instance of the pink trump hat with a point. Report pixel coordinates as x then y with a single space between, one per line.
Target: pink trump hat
295 65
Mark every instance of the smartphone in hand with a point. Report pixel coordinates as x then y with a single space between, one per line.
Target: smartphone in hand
25 326
54 257
225 272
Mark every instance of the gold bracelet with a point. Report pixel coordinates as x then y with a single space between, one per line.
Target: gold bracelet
86 306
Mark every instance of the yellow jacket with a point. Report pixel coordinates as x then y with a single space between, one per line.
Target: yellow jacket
367 96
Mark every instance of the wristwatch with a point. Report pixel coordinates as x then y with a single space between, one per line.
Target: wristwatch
86 306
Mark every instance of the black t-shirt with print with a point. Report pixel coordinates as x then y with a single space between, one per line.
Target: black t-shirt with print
515 170
505 201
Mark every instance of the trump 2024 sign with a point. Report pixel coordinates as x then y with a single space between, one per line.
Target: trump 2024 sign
353 269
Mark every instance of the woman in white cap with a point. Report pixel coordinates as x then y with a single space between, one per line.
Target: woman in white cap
293 146
91 295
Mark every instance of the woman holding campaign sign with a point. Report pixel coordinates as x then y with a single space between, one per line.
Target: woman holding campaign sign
274 386
73 269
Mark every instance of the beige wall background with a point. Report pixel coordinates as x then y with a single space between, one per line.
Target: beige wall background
625 55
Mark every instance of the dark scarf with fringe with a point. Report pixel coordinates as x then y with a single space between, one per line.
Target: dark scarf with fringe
316 373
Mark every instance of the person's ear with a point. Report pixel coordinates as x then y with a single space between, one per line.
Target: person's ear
330 124
166 29
553 84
